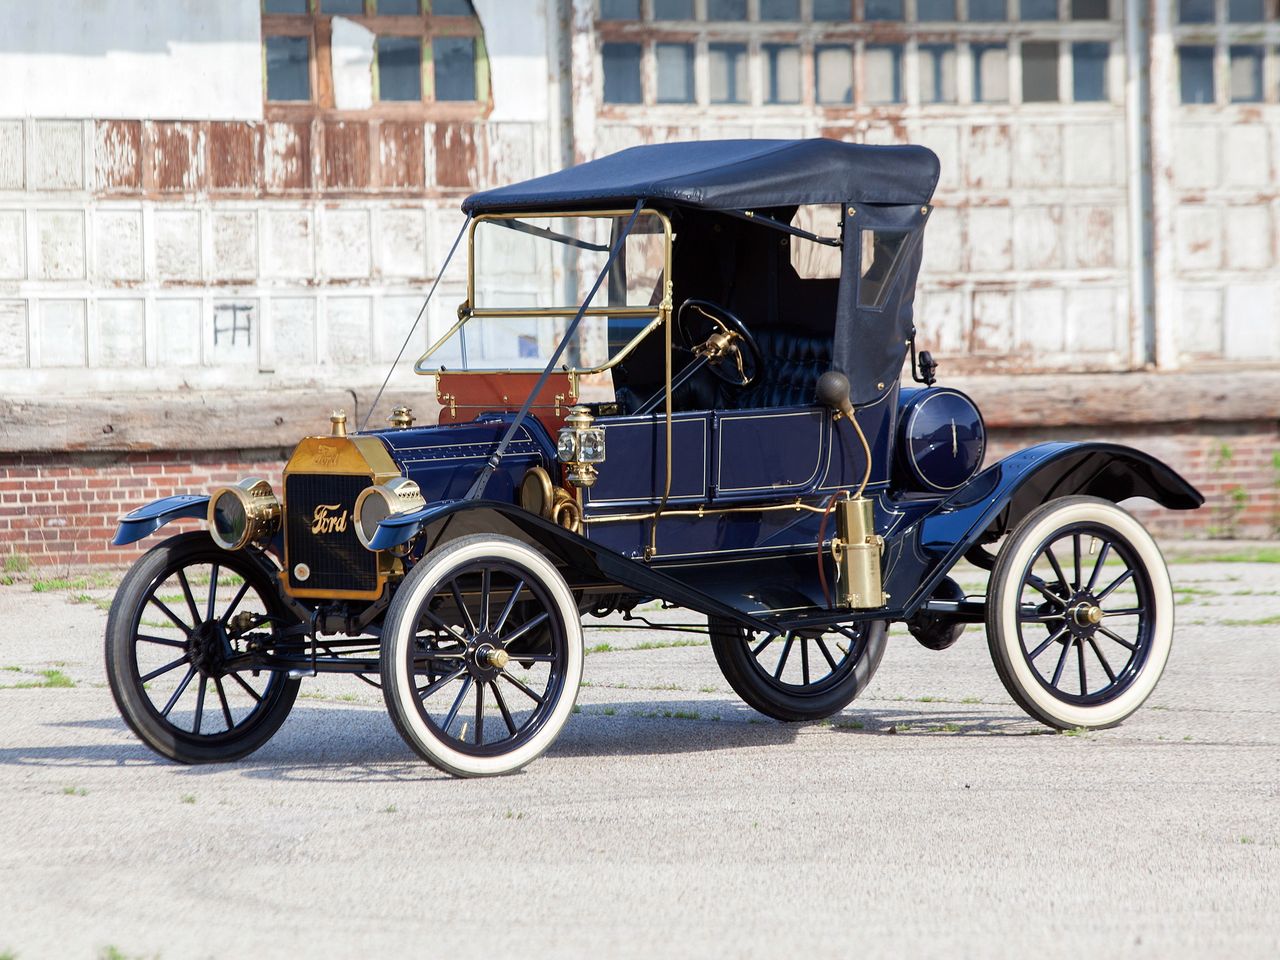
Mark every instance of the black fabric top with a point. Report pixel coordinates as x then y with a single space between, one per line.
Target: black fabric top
729 175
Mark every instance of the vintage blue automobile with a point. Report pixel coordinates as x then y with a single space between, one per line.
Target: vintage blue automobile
676 376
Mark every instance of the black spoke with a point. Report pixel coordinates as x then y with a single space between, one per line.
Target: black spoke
1084 682
1057 635
1097 567
782 661
1062 662
826 653
804 660
1075 542
226 707
1129 612
441 625
448 678
204 684
526 627
247 689
502 706
1031 580
1111 674
457 705
485 575
480 702
1037 617
462 606
764 643
1114 584
506 610
213 590
163 641
182 688
521 687
235 602
178 622
534 657
1057 568
1117 638
191 600
161 670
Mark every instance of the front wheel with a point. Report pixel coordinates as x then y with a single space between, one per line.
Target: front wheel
481 656
1080 614
800 675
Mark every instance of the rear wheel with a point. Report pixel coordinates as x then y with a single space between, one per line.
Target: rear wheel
1080 614
798 676
178 651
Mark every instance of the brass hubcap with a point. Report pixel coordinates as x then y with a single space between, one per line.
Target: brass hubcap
1088 615
498 659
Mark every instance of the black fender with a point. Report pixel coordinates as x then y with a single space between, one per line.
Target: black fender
149 518
994 501
583 563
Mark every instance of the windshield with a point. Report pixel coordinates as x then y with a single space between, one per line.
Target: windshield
527 278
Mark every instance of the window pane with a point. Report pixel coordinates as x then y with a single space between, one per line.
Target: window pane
937 73
880 251
455 59
784 73
779 9
1246 74
1039 72
726 9
675 72
990 73
1089 71
619 9
346 7
1195 67
832 10
835 74
452 8
673 9
621 72
1038 9
288 68
400 68
944 10
1089 10
1195 11
987 10
285 6
883 10
884 73
398 8
1245 11
728 63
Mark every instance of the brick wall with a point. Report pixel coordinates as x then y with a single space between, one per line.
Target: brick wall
60 510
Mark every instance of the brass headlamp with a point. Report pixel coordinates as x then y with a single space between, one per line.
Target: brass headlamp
580 446
376 503
243 513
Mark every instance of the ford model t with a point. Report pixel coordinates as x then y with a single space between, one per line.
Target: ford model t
676 376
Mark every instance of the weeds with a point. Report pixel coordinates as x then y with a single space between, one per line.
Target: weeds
52 678
74 792
1074 732
1270 621
17 563
389 808
188 798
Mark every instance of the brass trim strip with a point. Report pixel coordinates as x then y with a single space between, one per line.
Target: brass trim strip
701 512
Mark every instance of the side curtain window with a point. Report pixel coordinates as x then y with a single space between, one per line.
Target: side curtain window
881 258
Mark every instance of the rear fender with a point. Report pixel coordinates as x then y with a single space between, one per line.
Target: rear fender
582 562
994 501
146 520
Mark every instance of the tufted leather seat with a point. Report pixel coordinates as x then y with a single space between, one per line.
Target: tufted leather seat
793 362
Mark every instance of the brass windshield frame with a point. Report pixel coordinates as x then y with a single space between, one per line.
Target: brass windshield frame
660 312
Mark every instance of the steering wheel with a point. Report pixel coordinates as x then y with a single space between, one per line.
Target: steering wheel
709 330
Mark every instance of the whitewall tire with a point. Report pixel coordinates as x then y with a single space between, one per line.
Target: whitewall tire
1080 613
481 656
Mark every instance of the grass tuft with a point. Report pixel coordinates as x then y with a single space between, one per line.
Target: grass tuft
75 792
188 798
52 678
16 563
1270 621
1074 732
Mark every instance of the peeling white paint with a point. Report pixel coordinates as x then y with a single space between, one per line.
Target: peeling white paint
352 55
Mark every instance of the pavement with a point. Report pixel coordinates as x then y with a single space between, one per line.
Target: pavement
930 818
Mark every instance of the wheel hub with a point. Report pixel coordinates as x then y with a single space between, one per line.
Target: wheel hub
207 648
485 657
1084 615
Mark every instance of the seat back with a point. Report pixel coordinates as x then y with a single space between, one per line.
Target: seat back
793 362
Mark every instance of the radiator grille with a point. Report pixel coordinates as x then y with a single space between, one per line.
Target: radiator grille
335 556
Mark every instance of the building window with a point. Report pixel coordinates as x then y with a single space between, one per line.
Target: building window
1090 10
619 9
1246 74
728 62
621 72
939 11
783 73
937 72
779 9
1245 11
401 55
1195 73
1195 11
835 74
675 72
673 9
884 73
882 10
832 10
1039 73
1038 10
988 10
726 9
990 73
1089 72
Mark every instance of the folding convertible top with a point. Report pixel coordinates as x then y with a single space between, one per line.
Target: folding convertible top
729 175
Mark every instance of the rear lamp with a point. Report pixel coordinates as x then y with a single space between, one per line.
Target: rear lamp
376 503
243 513
580 446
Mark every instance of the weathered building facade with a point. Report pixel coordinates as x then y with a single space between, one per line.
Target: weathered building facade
218 221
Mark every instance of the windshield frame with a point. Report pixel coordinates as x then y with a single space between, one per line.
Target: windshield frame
661 312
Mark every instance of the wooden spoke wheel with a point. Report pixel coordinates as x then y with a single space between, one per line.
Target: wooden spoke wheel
1080 613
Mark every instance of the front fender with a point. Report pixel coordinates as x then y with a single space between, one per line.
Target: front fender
1000 496
147 519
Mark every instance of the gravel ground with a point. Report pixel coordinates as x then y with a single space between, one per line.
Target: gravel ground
930 818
